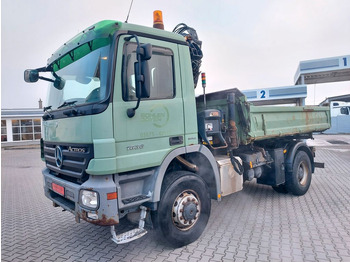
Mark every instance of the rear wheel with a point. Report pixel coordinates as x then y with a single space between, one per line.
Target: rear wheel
299 180
184 208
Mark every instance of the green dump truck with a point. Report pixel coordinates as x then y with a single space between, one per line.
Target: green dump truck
123 132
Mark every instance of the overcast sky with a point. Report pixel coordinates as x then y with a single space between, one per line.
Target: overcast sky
246 44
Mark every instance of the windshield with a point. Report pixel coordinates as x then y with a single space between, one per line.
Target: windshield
85 81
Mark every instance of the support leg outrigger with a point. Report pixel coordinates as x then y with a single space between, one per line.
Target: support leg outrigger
132 234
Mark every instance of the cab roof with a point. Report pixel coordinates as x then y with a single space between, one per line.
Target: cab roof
103 32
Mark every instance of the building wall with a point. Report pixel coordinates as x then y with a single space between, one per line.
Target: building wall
20 125
22 129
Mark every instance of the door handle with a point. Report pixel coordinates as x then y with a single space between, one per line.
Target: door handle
176 140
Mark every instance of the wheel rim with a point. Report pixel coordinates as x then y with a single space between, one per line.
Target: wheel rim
186 210
303 173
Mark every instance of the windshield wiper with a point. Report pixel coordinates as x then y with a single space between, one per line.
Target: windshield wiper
71 103
47 108
48 115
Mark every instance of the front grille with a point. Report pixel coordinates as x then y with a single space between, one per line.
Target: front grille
75 160
63 202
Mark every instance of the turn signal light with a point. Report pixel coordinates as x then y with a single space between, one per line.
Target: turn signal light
250 164
158 20
111 196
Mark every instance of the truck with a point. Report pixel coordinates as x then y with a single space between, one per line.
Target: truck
339 108
124 133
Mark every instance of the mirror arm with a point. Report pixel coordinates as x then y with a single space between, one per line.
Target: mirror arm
54 74
138 52
131 111
46 79
43 69
143 53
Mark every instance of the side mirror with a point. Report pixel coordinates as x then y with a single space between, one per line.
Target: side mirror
142 74
31 75
143 80
146 85
59 83
146 52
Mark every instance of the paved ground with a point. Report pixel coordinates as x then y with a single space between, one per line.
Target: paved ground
255 224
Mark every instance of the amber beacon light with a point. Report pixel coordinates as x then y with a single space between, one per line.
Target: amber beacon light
158 19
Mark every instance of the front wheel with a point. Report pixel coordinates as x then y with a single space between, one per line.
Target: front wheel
299 180
184 209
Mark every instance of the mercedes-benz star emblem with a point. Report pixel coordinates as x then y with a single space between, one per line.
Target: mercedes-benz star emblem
58 156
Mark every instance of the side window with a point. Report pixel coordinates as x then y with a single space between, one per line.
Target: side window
344 111
161 70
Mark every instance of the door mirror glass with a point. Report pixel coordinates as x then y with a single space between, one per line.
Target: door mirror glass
142 80
31 75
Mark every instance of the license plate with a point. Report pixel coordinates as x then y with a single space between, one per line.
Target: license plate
58 189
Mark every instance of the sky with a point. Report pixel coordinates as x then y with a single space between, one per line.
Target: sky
246 44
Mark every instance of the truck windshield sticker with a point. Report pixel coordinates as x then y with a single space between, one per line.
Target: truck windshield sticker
79 53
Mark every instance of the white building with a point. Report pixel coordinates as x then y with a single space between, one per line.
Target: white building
20 125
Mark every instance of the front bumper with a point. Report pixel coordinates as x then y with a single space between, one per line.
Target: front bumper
106 213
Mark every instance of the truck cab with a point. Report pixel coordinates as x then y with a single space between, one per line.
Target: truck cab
339 108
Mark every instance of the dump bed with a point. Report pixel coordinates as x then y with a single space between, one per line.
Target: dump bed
256 123
275 121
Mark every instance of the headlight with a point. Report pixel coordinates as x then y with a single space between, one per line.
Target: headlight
89 199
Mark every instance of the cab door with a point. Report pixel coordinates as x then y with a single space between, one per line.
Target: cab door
157 127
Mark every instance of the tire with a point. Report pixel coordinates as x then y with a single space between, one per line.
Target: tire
282 189
182 226
298 182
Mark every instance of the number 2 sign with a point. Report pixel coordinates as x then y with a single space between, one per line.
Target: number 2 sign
263 94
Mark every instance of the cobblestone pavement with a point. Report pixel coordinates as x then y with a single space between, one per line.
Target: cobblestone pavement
256 224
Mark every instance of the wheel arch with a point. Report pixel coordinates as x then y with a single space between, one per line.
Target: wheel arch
207 169
292 150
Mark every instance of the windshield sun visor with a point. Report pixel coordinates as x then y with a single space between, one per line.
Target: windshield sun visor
92 38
